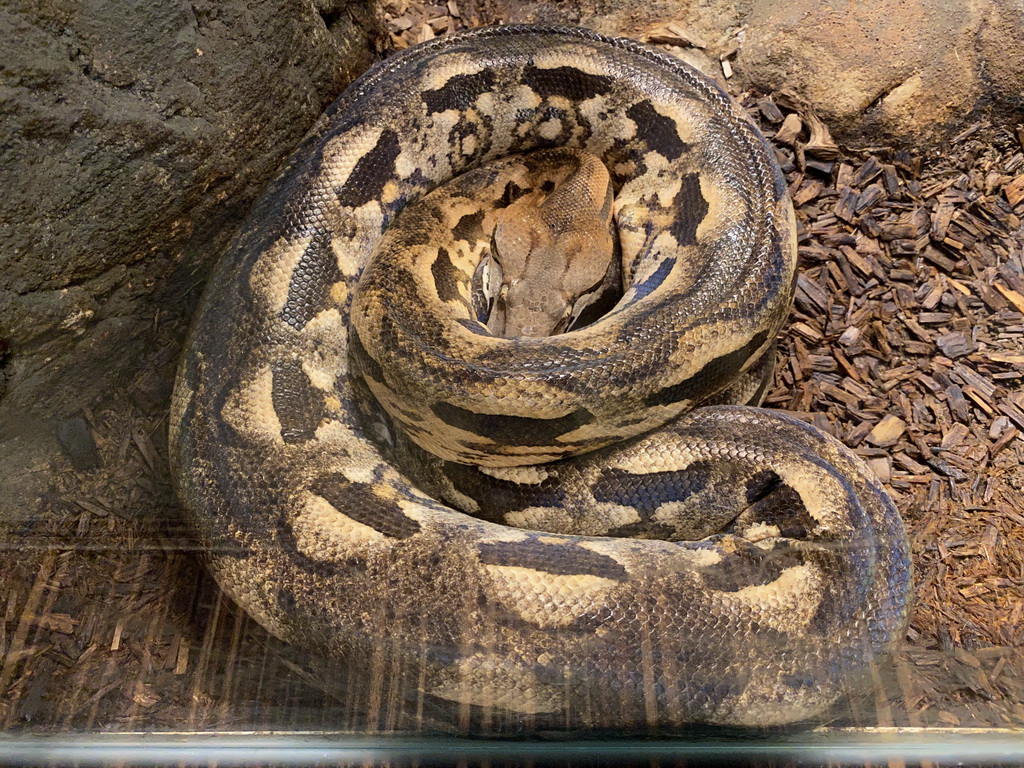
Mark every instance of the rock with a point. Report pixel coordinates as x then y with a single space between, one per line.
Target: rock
1000 45
28 454
887 431
136 136
76 440
909 70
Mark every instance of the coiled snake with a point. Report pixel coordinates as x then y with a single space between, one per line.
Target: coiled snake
290 470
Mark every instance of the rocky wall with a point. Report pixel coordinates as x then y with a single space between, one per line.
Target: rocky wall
134 137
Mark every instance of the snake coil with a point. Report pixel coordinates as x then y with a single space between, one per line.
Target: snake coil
797 581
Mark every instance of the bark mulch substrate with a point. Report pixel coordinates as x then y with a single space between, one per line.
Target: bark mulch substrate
906 342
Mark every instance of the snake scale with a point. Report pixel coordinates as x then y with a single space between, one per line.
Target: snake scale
290 426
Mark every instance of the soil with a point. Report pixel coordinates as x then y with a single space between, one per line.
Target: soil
906 342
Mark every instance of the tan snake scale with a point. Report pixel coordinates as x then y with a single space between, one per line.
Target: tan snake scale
292 475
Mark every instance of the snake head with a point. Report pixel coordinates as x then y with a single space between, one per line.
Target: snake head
546 277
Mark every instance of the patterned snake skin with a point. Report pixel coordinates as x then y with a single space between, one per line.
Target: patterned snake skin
766 571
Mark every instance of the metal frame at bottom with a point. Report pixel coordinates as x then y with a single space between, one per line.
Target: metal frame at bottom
823 745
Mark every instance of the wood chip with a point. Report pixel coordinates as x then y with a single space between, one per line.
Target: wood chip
790 130
1015 191
1000 357
887 431
675 34
770 110
1014 297
820 143
955 344
881 467
846 205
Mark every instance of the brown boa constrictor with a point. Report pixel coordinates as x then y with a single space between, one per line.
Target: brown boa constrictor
290 471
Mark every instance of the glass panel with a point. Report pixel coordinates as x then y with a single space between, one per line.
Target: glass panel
905 343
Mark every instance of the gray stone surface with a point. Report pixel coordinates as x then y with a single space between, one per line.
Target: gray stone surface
135 135
29 454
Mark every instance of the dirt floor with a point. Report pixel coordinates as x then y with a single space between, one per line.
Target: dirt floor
906 341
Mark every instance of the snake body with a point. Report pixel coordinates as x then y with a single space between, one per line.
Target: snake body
288 426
